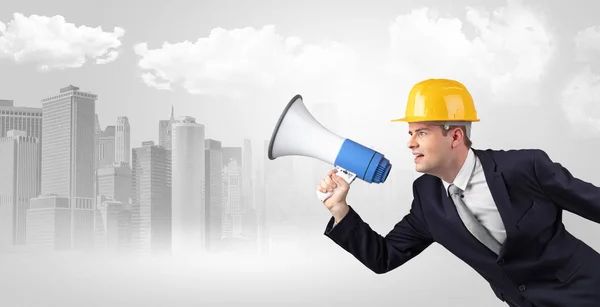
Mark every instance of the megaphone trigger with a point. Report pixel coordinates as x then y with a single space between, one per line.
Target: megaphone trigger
344 174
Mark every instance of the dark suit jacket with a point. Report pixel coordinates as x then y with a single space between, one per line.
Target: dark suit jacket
540 263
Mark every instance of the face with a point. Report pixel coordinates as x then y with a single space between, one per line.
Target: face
429 147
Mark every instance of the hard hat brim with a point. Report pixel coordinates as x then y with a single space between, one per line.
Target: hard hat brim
423 120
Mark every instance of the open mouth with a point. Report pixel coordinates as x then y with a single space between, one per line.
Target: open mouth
418 157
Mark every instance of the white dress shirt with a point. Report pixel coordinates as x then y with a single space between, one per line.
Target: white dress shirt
477 196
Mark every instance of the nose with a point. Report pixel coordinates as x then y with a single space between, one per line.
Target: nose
412 143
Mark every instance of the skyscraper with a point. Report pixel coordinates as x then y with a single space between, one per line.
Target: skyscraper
247 185
232 200
114 182
250 215
106 147
189 213
233 203
165 130
151 199
213 193
97 134
122 141
19 181
68 123
63 216
21 119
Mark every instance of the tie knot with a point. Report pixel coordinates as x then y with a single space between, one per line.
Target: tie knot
454 190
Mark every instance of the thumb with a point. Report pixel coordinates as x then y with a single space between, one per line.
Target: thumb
339 180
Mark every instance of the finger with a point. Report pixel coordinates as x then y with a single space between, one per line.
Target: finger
330 181
330 184
325 186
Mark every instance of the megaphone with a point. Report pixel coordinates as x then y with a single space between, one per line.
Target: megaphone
298 133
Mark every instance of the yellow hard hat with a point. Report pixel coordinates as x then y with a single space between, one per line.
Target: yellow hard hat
439 100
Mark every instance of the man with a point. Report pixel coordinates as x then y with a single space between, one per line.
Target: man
498 211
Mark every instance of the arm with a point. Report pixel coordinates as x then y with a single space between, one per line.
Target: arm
407 239
568 192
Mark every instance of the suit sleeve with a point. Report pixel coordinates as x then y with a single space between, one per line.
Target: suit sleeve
407 239
570 193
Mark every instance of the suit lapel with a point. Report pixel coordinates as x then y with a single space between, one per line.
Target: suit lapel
495 181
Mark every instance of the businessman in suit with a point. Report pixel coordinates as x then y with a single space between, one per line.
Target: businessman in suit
498 211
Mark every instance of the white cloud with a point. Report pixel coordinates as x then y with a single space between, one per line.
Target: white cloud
581 96
504 61
238 62
580 99
587 42
52 43
150 80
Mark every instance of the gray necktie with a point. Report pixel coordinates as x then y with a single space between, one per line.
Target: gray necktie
472 224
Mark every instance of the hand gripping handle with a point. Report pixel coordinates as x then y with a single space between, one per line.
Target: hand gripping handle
346 175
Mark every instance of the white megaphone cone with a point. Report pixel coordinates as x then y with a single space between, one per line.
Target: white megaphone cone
298 133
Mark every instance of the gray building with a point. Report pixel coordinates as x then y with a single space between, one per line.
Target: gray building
114 182
122 141
214 193
19 181
151 199
188 169
106 147
20 118
63 216
165 131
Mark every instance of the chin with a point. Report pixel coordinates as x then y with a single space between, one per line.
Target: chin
421 168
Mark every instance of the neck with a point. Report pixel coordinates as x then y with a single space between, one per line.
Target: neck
454 165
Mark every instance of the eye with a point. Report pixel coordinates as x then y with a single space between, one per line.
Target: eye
422 133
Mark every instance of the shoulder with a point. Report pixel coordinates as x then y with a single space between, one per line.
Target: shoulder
510 153
513 156
517 165
426 182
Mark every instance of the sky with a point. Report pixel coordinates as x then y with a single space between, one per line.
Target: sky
531 66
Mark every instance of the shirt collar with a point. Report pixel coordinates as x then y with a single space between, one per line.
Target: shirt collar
464 175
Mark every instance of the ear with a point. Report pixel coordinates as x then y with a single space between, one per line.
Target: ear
457 136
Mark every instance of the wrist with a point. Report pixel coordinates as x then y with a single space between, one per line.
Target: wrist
339 211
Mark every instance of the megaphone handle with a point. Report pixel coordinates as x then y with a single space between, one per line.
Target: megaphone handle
346 175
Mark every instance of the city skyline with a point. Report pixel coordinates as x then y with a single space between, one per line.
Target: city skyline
151 203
